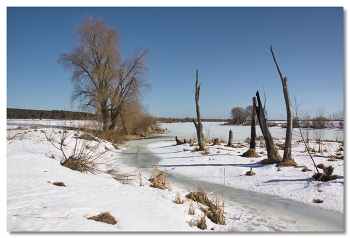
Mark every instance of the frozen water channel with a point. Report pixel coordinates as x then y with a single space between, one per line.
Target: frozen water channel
291 214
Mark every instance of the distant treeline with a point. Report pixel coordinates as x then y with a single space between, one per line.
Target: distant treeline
14 113
187 119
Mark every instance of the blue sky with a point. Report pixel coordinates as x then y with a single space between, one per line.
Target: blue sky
229 46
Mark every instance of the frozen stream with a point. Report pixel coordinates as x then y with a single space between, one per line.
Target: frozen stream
298 216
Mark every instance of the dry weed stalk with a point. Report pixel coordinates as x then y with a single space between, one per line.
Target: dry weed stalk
202 223
140 177
191 210
192 222
178 199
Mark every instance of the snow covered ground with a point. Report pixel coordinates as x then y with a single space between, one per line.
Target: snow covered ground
34 203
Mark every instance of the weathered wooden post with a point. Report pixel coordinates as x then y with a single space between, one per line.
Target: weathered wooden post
230 138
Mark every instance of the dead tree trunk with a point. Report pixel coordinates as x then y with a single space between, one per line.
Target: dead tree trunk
230 138
252 127
252 152
178 142
198 124
287 154
272 152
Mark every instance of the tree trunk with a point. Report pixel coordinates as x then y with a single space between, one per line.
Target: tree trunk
272 152
287 154
198 124
252 128
178 142
105 118
230 138
114 116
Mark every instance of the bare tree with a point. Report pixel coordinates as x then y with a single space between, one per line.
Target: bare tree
287 155
198 123
102 79
128 86
239 115
272 152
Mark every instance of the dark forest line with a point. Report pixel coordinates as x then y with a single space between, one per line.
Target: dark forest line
15 113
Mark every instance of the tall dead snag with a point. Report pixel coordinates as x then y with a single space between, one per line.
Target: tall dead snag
272 152
252 152
198 123
287 154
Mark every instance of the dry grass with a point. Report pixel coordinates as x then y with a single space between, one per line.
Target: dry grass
320 166
305 169
159 179
87 136
250 172
191 210
251 153
178 199
202 223
205 150
105 217
80 164
59 184
326 175
119 175
288 163
318 200
272 159
280 146
212 210
140 178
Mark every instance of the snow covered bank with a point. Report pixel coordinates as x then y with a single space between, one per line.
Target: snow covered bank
286 182
34 203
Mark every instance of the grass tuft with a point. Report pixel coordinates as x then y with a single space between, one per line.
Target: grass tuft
178 199
212 210
250 172
59 184
159 179
105 217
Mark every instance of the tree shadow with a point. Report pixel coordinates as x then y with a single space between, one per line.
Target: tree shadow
255 165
